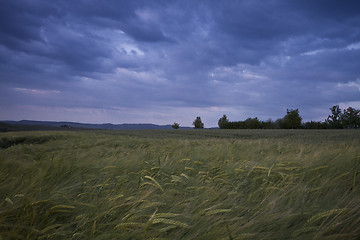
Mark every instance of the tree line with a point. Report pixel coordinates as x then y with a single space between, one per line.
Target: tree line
338 119
291 120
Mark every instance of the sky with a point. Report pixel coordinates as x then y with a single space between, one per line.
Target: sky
170 61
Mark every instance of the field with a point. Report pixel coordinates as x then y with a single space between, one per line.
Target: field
180 184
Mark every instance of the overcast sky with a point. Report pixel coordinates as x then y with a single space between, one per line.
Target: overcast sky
169 61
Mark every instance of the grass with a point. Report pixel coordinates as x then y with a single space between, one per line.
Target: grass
180 184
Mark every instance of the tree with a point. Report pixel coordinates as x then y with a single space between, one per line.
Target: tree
280 123
351 118
292 119
334 120
223 122
175 125
252 123
268 124
198 123
314 125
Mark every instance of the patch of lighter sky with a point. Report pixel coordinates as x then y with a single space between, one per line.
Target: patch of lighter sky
315 52
236 71
43 35
36 91
140 76
353 104
147 15
353 46
130 49
121 42
351 84
252 76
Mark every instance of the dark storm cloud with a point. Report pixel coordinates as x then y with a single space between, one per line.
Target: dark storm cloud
21 21
331 9
237 57
261 29
71 32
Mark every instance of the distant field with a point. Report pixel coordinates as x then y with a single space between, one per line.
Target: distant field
180 184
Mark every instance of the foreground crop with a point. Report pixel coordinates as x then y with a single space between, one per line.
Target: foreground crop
221 185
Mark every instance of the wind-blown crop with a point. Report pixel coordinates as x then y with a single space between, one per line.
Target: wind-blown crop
152 185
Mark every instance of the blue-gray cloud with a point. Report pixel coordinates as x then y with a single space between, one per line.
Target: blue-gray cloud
243 58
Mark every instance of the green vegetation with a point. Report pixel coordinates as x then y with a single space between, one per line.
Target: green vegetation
292 119
180 184
198 123
175 125
350 118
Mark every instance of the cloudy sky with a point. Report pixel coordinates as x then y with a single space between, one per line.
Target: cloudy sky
169 61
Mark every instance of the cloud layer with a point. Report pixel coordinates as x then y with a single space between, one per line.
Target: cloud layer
166 61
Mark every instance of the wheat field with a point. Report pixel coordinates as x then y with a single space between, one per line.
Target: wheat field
180 184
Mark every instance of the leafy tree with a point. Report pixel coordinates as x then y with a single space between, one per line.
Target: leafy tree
351 118
252 123
280 123
223 122
268 124
334 120
198 123
175 125
292 119
314 125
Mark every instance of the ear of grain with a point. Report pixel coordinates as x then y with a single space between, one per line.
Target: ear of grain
151 184
50 228
170 222
109 167
168 228
150 205
184 160
185 176
128 224
189 169
8 200
270 170
166 215
176 178
41 202
319 168
155 182
258 168
62 207
340 176
326 214
217 211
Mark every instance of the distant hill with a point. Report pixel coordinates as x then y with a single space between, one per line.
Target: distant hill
24 125
7 127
